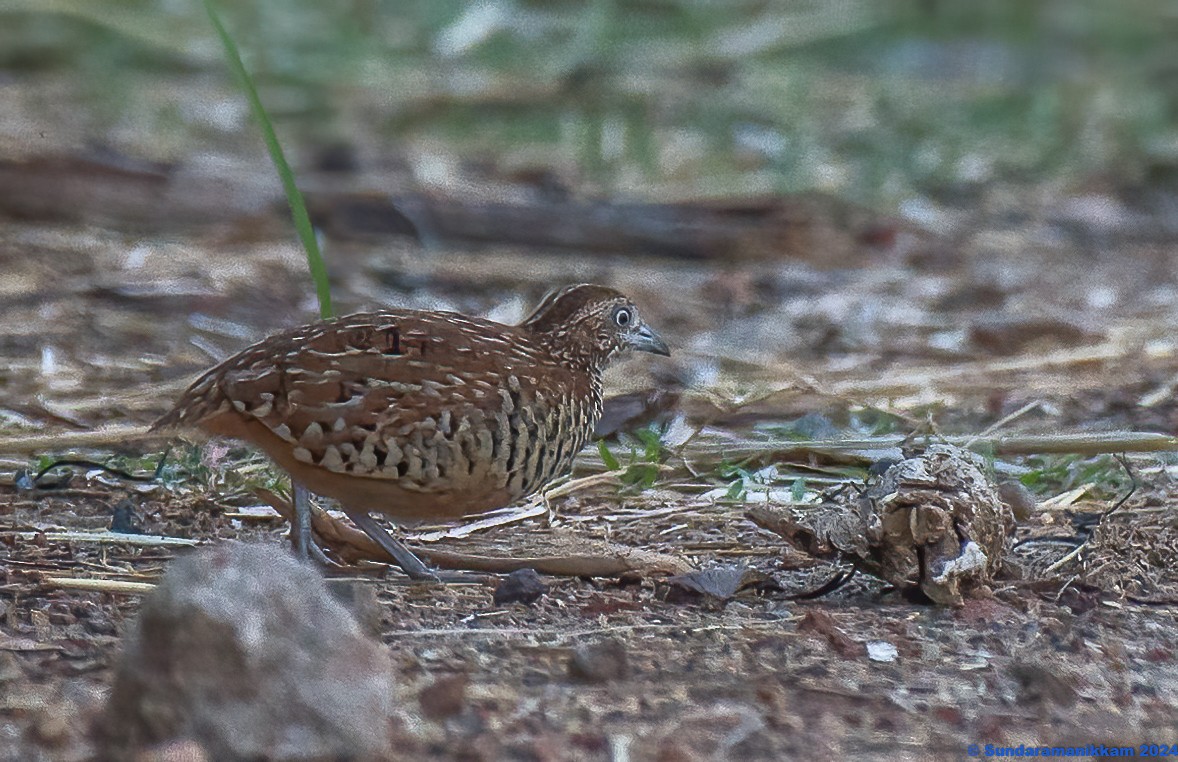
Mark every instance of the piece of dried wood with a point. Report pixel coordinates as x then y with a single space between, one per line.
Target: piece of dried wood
571 558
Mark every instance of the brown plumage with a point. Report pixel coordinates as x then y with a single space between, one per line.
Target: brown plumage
423 415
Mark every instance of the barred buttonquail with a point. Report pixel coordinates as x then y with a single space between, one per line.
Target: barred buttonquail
422 415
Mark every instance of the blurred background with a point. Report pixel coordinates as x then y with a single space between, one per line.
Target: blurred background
844 187
881 103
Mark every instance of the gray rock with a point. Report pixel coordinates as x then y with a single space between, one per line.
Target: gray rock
243 651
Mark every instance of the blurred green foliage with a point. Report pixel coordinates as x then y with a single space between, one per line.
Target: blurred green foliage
870 99
294 197
1049 475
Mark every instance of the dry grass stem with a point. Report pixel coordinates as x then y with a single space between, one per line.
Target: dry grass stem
901 384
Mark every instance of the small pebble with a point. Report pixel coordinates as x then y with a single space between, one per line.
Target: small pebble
1019 498
599 662
9 667
821 623
521 586
124 520
445 697
52 728
100 623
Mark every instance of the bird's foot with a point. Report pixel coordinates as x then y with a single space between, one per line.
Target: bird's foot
413 566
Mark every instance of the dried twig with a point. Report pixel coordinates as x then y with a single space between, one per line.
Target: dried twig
1005 420
146 540
1085 530
67 440
499 518
1079 444
1061 562
100 585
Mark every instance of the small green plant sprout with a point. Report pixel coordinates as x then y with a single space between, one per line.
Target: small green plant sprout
185 466
763 485
647 453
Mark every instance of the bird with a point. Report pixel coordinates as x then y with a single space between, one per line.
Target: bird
421 415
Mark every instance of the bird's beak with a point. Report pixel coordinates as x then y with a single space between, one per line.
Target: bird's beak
646 340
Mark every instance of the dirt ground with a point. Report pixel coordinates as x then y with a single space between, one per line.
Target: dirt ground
1023 317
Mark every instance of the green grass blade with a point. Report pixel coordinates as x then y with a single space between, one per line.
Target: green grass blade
607 457
298 209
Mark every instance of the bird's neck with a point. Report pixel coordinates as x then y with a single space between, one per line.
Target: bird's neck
574 350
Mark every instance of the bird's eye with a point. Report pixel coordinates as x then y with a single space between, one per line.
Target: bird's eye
622 317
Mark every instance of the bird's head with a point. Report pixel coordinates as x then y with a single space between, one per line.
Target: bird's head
592 324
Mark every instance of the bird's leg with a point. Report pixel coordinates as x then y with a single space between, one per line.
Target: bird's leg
300 529
409 563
